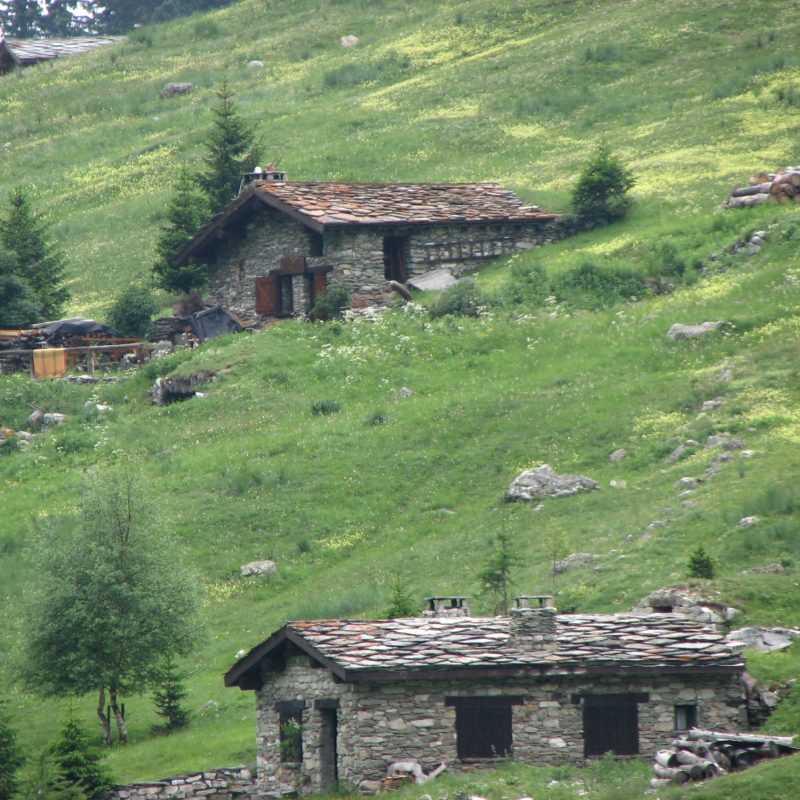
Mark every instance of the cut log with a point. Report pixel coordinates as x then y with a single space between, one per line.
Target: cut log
776 187
743 758
677 775
746 191
768 750
762 177
659 783
667 758
789 189
722 761
685 757
783 199
794 179
784 177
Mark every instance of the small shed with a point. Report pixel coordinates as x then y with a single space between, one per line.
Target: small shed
25 52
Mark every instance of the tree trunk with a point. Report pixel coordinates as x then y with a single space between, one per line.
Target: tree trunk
746 191
666 758
101 712
677 775
760 178
120 719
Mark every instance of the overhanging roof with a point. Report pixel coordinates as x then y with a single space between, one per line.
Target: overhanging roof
31 51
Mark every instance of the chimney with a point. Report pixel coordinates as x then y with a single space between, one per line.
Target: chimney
446 607
532 623
269 174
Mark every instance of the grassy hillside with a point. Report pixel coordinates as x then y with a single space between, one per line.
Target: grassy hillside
518 92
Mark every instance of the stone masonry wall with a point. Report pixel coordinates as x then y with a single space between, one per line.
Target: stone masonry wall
237 783
383 722
356 255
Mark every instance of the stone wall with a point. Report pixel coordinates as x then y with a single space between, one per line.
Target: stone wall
237 783
356 256
383 722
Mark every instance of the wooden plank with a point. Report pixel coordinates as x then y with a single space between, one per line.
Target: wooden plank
491 701
268 295
293 265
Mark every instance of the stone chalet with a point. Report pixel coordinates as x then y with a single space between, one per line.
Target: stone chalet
464 691
281 242
26 52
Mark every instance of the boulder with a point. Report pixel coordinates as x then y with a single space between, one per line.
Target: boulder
51 420
571 562
541 482
678 331
716 440
713 405
36 418
687 483
349 41
769 569
618 455
255 65
747 453
404 392
173 89
258 568
733 444
747 522
681 450
764 640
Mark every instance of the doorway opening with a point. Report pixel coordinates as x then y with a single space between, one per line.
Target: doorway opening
394 258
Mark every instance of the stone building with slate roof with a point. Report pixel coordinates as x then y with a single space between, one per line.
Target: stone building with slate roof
279 243
26 52
465 691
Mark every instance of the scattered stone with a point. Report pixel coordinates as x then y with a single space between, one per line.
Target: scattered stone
255 65
173 89
25 436
680 450
618 455
733 444
687 493
724 374
716 440
627 540
687 483
542 482
753 248
713 405
685 603
51 420
208 706
656 525
678 331
690 504
349 41
258 568
36 418
571 562
764 640
721 458
770 569
747 453
645 537
746 522
673 441
404 392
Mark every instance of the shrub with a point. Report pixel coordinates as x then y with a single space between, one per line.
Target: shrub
462 299
325 407
527 285
593 285
668 262
291 742
401 602
700 564
167 698
11 756
79 762
377 417
599 194
331 302
132 311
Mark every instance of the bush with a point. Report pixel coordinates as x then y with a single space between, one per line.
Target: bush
291 742
700 564
377 417
11 757
331 302
462 299
132 311
592 285
325 407
599 193
527 285
668 262
79 762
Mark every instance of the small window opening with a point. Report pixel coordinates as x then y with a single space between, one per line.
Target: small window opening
394 258
662 609
483 732
287 294
291 737
315 244
685 717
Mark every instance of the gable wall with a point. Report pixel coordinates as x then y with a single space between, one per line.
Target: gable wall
384 722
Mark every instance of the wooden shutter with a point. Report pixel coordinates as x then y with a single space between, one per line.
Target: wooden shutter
611 728
268 295
320 282
483 732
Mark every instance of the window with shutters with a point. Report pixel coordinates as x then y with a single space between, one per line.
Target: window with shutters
268 295
685 717
484 725
611 728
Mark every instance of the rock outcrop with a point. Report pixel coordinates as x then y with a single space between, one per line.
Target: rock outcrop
542 482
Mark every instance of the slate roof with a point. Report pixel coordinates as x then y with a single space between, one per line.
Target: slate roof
335 203
586 644
31 51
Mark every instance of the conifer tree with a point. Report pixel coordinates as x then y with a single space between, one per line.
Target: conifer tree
600 193
186 212
19 307
701 565
167 699
401 603
11 757
39 262
232 150
78 761
20 19
43 780
495 577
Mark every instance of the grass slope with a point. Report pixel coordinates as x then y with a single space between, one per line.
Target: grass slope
517 92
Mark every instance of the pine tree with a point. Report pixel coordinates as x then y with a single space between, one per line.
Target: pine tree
495 577
39 262
401 603
185 214
232 151
599 194
78 761
44 781
701 565
19 307
167 699
21 19
11 757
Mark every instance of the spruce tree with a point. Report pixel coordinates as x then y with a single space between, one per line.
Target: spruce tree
19 307
185 214
43 780
21 19
700 565
599 194
167 699
39 262
232 150
78 761
11 757
495 577
401 603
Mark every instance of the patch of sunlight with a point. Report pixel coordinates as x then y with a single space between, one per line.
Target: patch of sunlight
524 130
453 112
654 425
611 247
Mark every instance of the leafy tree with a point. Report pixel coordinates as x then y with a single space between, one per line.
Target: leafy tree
132 311
401 603
43 780
19 307
21 18
495 577
11 757
701 565
185 214
599 194
39 262
114 600
78 761
167 698
232 150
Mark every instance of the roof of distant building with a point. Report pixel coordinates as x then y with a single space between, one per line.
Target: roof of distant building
443 647
30 51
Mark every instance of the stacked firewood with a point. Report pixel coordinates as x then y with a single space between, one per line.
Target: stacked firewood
781 186
699 755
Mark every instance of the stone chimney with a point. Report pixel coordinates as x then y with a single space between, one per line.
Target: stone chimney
532 623
446 607
268 174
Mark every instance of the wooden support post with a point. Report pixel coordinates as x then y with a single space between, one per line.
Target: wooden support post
90 362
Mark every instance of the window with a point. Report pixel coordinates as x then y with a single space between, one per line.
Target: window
685 717
394 258
662 609
611 723
483 725
291 736
315 244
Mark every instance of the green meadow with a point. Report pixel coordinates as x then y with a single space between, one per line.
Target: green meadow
694 96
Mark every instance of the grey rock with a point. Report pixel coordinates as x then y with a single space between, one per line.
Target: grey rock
676 454
645 537
258 568
88 405
209 705
753 249
404 392
255 65
733 444
770 699
747 522
770 569
571 562
690 504
654 526
51 420
674 440
678 331
747 453
627 540
721 458
724 374
7 146
25 436
173 89
763 235
713 405
687 483
618 455
36 418
716 440
349 41
687 493
764 640
542 482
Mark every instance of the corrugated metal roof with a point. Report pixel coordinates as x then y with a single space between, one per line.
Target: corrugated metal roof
31 51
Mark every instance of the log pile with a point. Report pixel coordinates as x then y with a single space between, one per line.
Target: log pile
699 755
180 387
781 186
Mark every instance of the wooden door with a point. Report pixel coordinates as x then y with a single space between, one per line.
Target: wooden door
612 728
